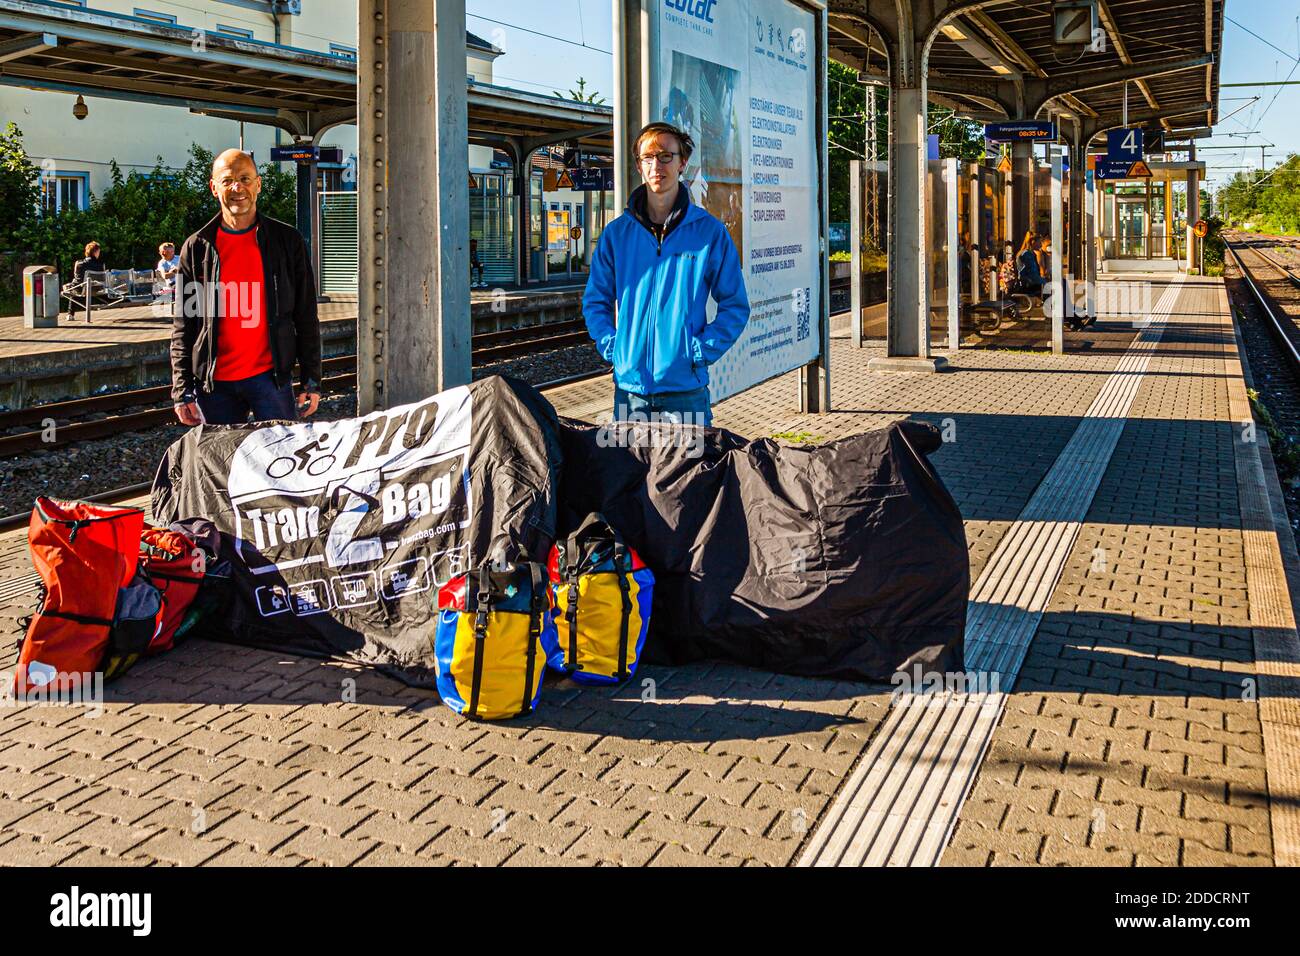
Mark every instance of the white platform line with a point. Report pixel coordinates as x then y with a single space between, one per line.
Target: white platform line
902 800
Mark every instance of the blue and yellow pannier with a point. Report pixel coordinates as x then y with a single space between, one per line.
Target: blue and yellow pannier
603 592
488 643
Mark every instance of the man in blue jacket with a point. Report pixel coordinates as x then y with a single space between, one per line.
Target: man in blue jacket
656 265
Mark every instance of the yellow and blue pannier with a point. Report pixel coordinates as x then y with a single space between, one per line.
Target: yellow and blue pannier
603 592
488 644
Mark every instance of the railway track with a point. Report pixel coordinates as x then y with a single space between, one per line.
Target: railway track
11 522
1266 305
487 349
1276 290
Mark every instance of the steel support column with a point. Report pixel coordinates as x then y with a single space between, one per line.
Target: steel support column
413 317
1193 214
1022 191
856 231
909 287
1056 302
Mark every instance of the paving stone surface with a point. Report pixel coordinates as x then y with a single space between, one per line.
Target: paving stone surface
1126 742
1133 735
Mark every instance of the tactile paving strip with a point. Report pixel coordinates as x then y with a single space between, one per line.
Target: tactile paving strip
901 802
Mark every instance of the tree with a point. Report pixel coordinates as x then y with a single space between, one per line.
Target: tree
20 191
140 210
847 127
1269 200
581 94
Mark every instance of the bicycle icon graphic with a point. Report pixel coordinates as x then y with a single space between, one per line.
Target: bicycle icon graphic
302 460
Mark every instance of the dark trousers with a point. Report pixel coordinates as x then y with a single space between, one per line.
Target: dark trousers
230 402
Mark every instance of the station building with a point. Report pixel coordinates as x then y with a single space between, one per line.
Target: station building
524 234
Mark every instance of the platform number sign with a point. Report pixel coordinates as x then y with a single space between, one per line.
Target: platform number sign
1124 145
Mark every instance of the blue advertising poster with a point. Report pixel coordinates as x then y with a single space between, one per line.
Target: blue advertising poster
741 78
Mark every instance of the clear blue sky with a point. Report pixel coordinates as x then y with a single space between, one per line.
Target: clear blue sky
569 35
537 62
1251 59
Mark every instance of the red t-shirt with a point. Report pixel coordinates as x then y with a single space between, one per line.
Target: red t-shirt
243 342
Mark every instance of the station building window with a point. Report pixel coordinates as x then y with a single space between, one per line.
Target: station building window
339 49
241 32
492 222
61 191
155 16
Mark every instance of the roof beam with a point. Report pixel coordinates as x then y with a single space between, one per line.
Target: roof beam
1117 38
1100 124
1108 76
264 81
27 45
193 104
560 136
39 77
79 24
1014 51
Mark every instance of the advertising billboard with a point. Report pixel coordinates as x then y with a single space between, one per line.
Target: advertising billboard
741 77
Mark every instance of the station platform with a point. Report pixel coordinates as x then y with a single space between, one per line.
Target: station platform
1131 627
128 347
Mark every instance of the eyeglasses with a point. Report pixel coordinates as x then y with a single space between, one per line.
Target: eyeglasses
663 158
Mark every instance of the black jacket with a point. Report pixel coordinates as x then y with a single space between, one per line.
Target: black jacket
88 264
289 288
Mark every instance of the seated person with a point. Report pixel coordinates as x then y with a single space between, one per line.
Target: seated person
93 262
169 263
1027 269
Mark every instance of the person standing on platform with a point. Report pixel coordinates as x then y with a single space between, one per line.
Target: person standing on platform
652 272
248 311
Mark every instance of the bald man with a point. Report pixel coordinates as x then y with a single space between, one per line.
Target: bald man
248 311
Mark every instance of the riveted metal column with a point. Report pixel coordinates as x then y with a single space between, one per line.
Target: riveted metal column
413 318
856 232
908 345
1193 214
1022 191
1078 171
1056 302
631 107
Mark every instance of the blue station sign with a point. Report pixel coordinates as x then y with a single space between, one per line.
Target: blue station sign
1021 131
1122 169
592 178
1124 145
295 154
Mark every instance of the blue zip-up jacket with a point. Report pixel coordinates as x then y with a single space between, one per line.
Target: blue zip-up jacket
663 341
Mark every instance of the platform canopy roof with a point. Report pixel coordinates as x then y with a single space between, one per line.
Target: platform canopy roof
1168 50
57 47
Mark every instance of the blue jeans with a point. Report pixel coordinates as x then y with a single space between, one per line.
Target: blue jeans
689 408
230 402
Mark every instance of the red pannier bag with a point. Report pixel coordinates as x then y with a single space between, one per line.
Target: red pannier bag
174 565
85 553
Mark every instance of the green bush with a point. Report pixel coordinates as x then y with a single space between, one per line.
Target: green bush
1212 245
130 220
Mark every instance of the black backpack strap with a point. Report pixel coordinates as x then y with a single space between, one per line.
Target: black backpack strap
482 604
570 571
623 572
536 608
